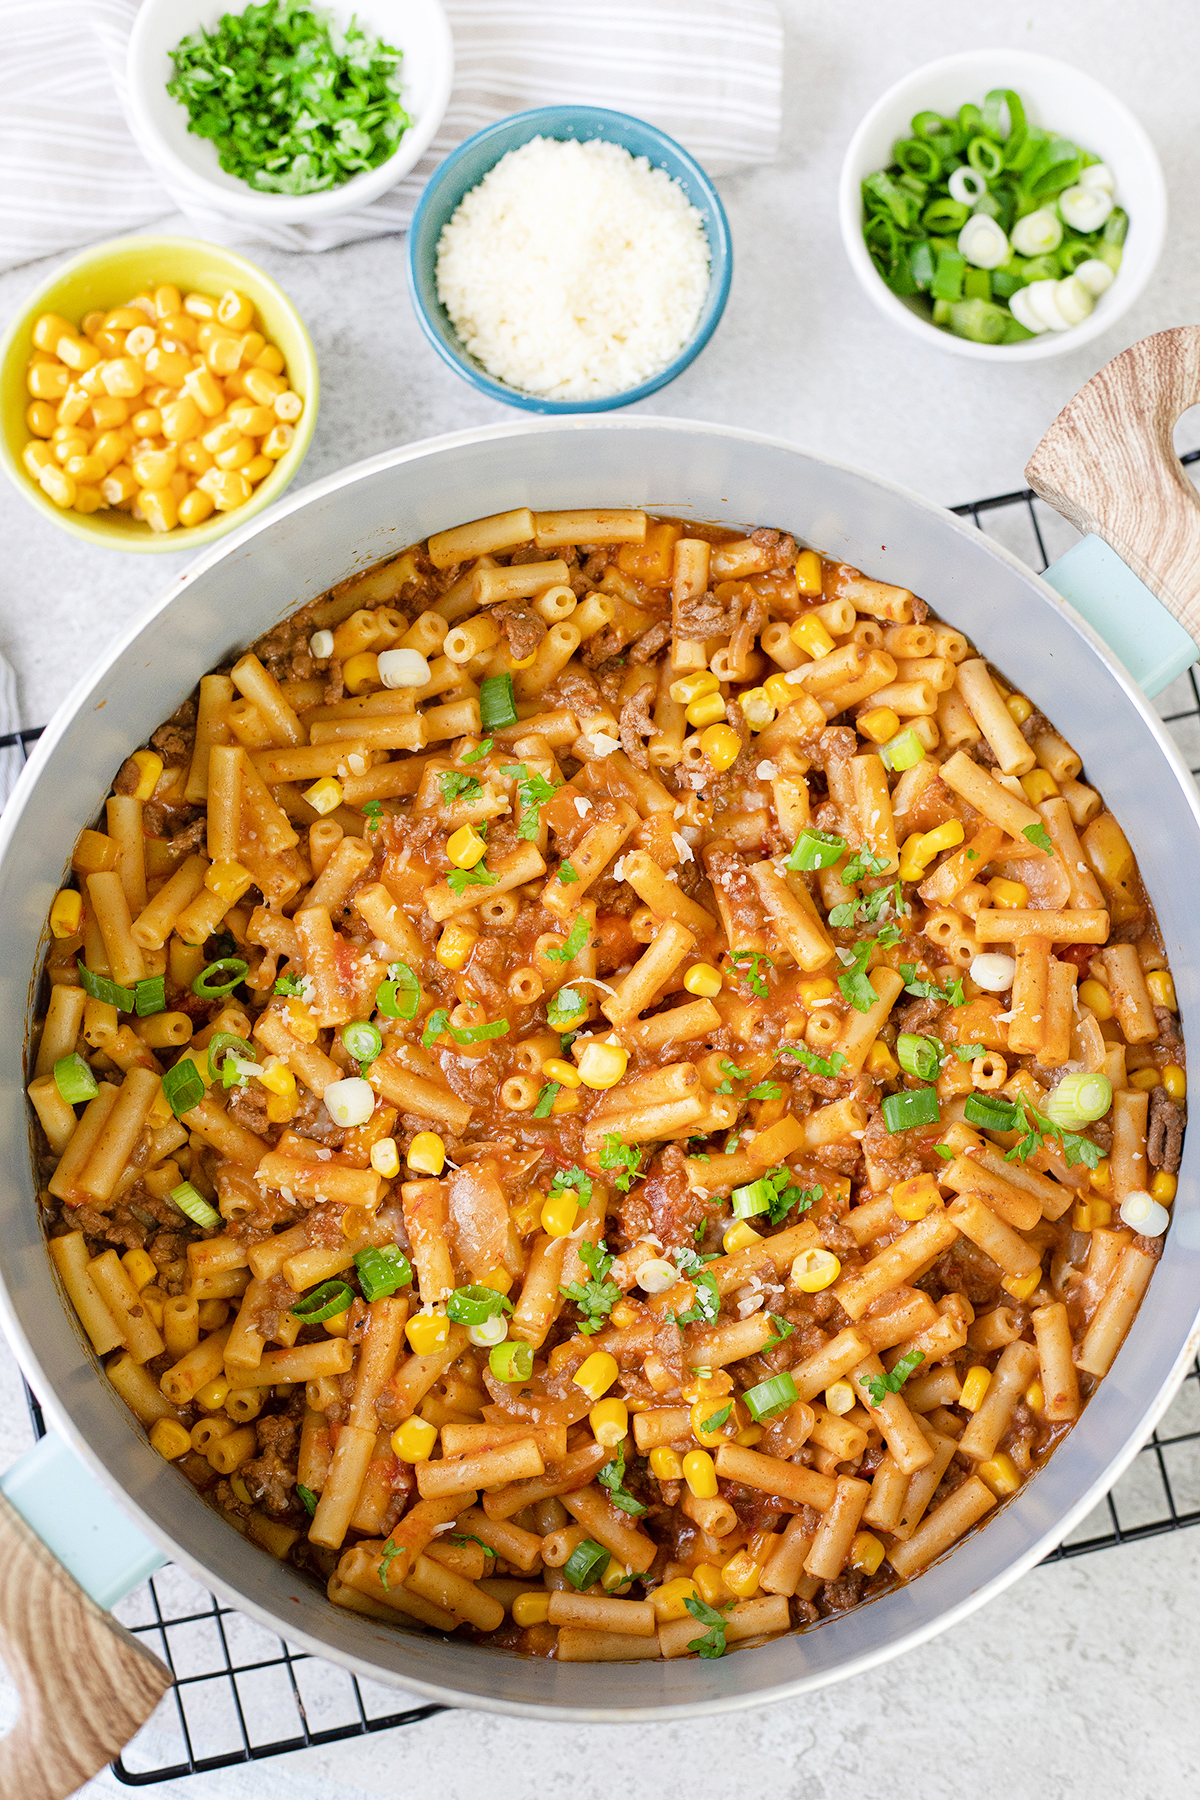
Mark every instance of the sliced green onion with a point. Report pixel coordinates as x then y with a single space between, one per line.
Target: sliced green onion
918 1056
399 996
217 979
985 158
1078 1100
307 1498
100 987
222 1041
512 1360
948 276
566 1009
363 1041
755 1197
945 216
816 850
904 751
74 1080
991 1114
479 1034
381 1271
917 156
183 1087
586 1562
150 996
475 1305
194 1205
325 1302
497 705
770 1397
915 1106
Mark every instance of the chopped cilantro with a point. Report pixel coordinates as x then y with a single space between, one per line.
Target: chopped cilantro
597 1296
764 1090
880 1386
481 749
459 880
718 1418
1037 834
862 864
575 1178
944 1151
612 1477
289 984
755 981
827 1067
574 942
713 1641
966 1052
731 1075
625 1157
567 874
994 1114
783 1329
951 995
374 812
854 982
788 1195
456 786
707 1309
533 791
545 1100
390 1553
468 1537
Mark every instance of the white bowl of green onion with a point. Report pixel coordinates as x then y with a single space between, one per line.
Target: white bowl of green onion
285 112
1002 206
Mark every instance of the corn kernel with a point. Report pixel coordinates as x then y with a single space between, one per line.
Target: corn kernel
739 1236
707 710
913 861
338 1324
602 1065
878 725
557 1068
1096 995
741 1574
815 1270
426 1154
455 945
1175 1082
385 1158
666 1464
414 1440
758 707
914 1198
946 836
1145 1079
597 1374
1035 1397
750 1436
140 1268
707 1578
560 1215
1039 785
693 687
36 457
1021 1286
531 1609
150 768
703 980
974 1388
808 574
565 1102
227 880
699 1472
170 1438
780 691
623 1315
1162 989
428 1333
213 1395
1000 1474
57 485
66 915
1011 895
1019 707
527 1216
276 1077
839 1397
300 1021
360 672
1101 1176
813 992
866 1552
465 847
1164 1187
811 636
609 1420
722 746
154 1299
282 1107
670 1600
880 1062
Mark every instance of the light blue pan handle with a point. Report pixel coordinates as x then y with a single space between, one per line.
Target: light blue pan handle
79 1521
1131 620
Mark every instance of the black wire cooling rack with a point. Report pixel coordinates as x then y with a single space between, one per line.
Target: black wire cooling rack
241 1694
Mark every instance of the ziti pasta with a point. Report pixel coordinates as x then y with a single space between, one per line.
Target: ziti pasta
607 1088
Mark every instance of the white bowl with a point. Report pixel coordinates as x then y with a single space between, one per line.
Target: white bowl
1057 97
418 28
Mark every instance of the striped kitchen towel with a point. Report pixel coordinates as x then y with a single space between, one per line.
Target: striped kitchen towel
707 71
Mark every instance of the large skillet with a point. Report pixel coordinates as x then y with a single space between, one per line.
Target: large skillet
1108 462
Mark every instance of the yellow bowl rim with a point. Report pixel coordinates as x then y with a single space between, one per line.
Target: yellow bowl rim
78 524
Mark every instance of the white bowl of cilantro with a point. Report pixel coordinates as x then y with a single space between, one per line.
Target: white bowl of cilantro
287 112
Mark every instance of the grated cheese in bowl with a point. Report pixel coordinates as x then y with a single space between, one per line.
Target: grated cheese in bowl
574 270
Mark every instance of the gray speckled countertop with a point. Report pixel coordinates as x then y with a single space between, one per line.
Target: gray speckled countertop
1081 1680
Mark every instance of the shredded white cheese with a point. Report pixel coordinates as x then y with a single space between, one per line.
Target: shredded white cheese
603 744
682 846
574 270
582 806
766 771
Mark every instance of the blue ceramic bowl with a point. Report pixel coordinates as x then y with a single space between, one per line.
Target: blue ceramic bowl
466 168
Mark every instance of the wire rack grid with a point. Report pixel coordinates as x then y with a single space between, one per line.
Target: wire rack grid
241 1694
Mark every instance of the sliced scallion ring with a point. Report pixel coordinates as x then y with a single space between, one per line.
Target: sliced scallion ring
195 1206
217 979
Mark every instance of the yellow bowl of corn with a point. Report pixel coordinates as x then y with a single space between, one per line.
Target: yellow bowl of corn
108 277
